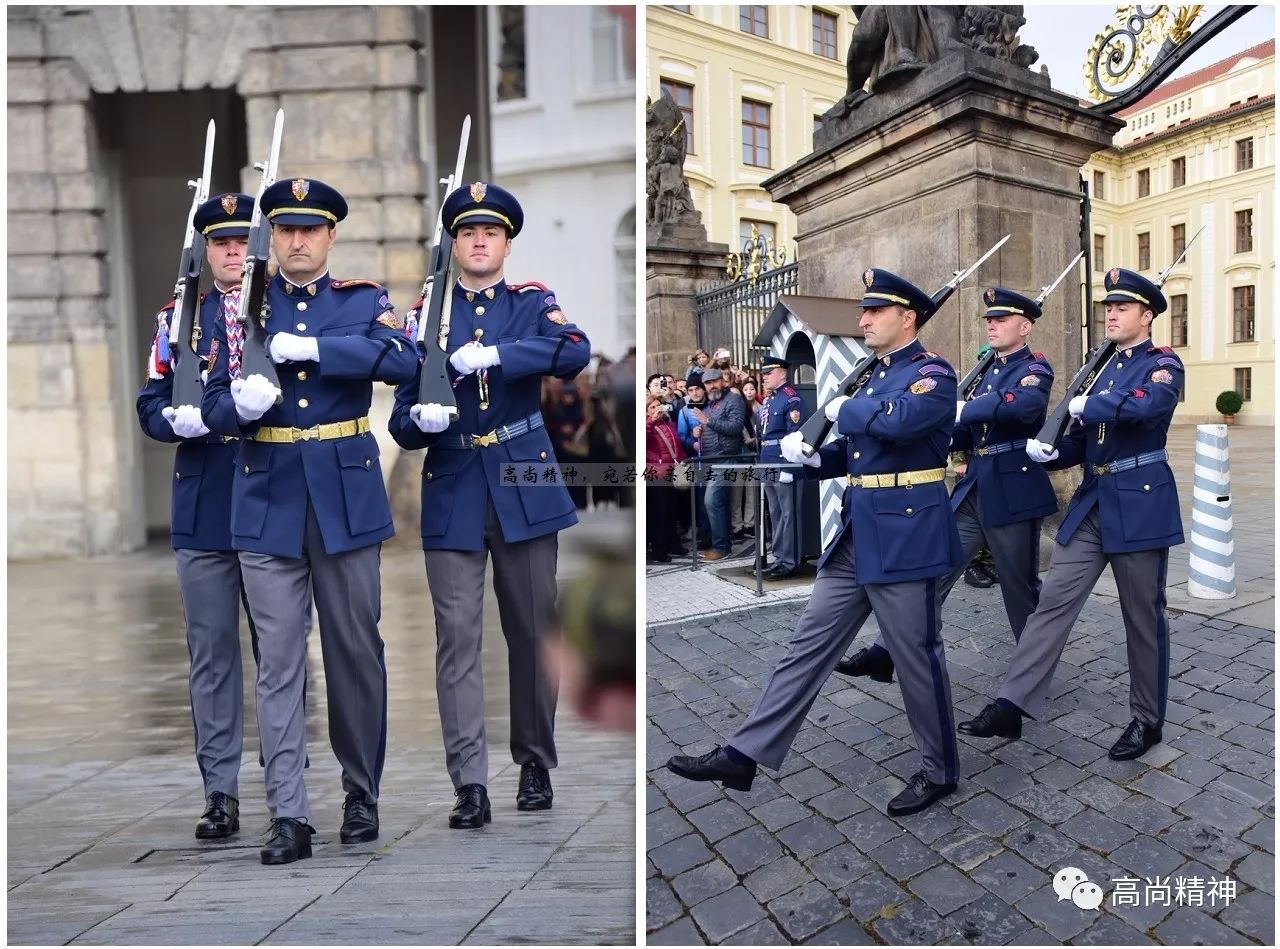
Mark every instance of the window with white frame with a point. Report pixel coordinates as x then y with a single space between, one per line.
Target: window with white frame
611 59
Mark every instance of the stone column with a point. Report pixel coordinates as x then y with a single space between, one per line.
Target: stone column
924 179
679 260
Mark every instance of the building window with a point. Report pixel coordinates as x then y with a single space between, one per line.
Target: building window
1144 182
766 229
679 7
1178 320
1244 154
611 60
682 95
1099 186
1099 323
1242 311
1099 250
1179 172
511 75
755 133
754 20
1244 231
1244 383
1179 240
824 34
1144 251
624 258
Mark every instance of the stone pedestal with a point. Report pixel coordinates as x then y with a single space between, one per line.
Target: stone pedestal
924 179
679 260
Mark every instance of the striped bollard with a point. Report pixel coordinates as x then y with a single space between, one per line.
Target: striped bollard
1212 570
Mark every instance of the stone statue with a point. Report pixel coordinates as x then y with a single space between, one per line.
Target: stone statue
669 200
892 44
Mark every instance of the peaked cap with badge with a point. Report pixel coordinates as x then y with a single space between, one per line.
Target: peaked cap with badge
1125 286
885 288
1002 302
303 202
225 215
482 203
770 361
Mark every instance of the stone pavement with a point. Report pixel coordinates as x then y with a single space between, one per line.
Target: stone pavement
103 790
810 855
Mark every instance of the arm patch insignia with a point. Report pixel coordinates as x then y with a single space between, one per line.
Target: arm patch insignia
1032 380
557 317
389 320
1038 367
794 415
1162 375
921 386
933 369
1169 361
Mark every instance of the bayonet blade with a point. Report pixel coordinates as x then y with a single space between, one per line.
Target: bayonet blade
963 275
1045 291
1186 247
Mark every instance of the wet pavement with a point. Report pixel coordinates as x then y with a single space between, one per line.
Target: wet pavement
104 792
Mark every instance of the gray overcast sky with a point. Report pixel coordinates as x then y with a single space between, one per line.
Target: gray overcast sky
1063 34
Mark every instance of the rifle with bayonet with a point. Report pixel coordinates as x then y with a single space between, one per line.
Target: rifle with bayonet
970 382
253 311
1083 381
437 300
184 326
815 430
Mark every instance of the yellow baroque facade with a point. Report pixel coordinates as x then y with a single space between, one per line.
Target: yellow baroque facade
1200 151
751 101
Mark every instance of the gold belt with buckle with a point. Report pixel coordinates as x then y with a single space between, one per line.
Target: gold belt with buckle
356 426
900 479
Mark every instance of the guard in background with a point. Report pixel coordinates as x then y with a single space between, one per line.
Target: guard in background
780 415
309 504
200 527
896 542
503 338
1004 495
1125 514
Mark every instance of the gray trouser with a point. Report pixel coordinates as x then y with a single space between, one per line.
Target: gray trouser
209 581
781 499
348 599
910 615
1015 548
524 581
1074 569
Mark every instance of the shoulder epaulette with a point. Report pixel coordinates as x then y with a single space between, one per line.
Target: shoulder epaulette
170 304
1038 356
344 284
203 294
1163 350
528 285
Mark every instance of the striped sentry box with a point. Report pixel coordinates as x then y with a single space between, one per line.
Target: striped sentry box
1212 570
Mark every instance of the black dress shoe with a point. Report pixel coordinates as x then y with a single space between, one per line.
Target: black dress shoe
870 661
993 720
535 789
1138 737
975 576
780 572
715 765
471 810
290 840
918 795
221 817
360 820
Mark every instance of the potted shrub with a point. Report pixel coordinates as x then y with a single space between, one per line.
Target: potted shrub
1229 404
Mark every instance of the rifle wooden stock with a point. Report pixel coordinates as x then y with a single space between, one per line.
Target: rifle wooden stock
437 292
974 375
1056 424
187 386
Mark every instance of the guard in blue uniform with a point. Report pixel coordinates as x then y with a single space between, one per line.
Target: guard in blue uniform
1004 495
780 415
1124 514
309 504
200 526
896 542
477 501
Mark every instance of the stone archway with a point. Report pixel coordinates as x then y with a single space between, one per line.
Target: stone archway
353 83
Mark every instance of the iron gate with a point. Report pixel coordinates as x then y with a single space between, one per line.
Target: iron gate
733 314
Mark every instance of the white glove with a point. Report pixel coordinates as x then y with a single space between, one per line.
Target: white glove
1076 406
286 347
431 418
792 448
785 477
1039 451
832 411
186 421
474 357
253 396
959 411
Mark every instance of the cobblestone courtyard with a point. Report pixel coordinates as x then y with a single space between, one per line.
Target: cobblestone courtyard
809 854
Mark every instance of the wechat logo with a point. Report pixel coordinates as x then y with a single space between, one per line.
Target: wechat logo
1071 884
